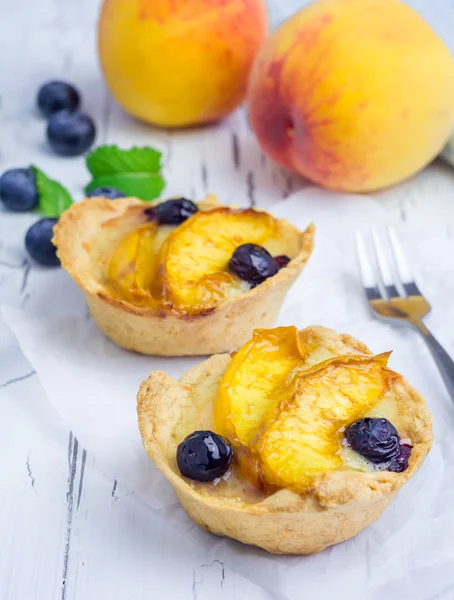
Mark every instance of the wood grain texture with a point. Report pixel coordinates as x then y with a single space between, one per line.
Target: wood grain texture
67 531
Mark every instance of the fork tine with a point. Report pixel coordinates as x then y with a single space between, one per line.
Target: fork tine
403 270
366 269
384 270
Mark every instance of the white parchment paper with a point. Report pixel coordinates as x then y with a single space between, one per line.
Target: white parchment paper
409 551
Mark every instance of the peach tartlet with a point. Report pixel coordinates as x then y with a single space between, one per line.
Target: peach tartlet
295 442
179 278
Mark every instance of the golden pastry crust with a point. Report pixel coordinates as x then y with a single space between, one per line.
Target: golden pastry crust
336 507
83 236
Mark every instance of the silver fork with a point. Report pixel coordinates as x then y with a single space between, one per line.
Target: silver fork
386 301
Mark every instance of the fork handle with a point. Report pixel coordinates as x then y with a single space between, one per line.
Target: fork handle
444 361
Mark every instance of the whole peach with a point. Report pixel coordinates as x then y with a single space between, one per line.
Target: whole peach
176 63
355 95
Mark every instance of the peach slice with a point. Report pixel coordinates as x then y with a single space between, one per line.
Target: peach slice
284 415
250 384
301 438
195 256
134 264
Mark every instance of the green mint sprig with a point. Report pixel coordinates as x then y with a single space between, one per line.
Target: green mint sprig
135 172
53 197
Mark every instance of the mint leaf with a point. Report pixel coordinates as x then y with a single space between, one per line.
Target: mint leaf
139 185
135 172
53 197
110 160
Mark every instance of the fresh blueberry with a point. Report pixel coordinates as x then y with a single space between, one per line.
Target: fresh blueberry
106 192
70 133
173 212
18 189
252 263
57 95
281 261
38 243
204 456
375 439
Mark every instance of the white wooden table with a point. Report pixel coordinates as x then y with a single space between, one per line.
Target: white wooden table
67 531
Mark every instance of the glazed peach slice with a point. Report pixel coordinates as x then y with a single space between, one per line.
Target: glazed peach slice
301 437
286 418
257 371
195 256
134 264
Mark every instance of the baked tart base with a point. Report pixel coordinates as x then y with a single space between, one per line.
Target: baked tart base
335 508
84 235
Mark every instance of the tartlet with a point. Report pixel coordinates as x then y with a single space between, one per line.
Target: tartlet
331 506
90 232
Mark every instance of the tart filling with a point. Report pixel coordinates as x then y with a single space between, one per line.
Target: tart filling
187 259
292 411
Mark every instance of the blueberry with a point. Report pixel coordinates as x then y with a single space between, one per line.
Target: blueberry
57 95
375 439
106 192
70 133
204 456
252 263
18 190
400 463
173 212
281 261
38 243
